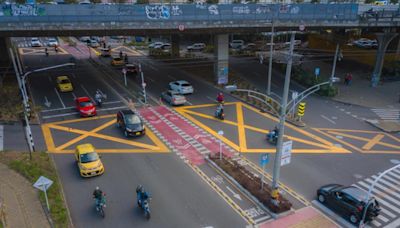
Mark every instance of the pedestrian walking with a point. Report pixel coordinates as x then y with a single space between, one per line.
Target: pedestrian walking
348 78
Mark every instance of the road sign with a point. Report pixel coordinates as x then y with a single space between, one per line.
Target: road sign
301 109
124 70
286 152
221 132
295 94
317 71
144 84
302 27
264 159
43 183
181 28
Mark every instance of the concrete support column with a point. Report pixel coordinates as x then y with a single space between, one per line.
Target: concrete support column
383 42
175 46
221 52
398 50
5 60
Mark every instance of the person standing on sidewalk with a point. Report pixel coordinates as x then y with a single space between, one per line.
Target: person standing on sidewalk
348 78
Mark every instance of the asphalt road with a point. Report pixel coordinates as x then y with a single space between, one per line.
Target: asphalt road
180 197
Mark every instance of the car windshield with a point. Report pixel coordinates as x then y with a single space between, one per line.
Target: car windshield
85 104
64 81
186 85
132 119
89 157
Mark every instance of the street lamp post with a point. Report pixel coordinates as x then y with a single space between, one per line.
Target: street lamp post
143 83
334 62
271 49
282 119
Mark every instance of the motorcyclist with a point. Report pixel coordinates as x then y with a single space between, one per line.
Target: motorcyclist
142 195
98 195
220 110
275 131
120 54
220 98
98 97
46 52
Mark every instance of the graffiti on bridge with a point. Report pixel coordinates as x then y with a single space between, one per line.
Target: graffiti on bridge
22 10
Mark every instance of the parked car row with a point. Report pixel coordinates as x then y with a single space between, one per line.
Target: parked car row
50 42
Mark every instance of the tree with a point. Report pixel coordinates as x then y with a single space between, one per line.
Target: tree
71 1
212 1
315 1
394 1
119 1
142 1
95 1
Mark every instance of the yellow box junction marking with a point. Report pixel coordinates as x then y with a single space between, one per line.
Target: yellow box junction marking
372 139
126 50
323 145
158 145
41 50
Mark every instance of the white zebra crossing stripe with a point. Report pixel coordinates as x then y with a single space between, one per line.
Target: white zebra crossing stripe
392 186
376 223
387 114
380 200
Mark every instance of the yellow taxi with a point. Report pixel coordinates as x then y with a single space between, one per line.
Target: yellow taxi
64 84
117 61
88 161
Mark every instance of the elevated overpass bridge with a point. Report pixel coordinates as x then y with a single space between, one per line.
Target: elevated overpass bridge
218 19
40 20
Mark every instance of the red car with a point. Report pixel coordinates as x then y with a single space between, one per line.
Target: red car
85 106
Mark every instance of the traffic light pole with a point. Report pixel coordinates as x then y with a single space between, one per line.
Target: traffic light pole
282 119
334 63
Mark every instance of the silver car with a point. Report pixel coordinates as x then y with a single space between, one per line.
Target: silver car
173 97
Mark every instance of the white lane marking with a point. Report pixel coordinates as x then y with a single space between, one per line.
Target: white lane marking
112 102
57 109
1 137
75 113
87 92
326 118
59 97
188 102
73 94
394 224
212 99
171 77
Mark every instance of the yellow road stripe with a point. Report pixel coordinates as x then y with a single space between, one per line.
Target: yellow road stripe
95 51
337 150
110 151
203 106
48 138
198 123
106 137
363 139
240 123
83 119
260 130
348 130
224 196
393 137
162 147
83 136
373 141
339 140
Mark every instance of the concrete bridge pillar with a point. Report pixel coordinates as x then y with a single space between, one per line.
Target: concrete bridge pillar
221 52
175 45
383 42
5 60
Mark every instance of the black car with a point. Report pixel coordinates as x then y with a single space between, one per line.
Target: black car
130 123
348 201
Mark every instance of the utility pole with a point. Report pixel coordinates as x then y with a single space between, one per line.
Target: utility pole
282 119
271 49
334 64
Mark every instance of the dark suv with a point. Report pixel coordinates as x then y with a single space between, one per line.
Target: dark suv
350 202
130 123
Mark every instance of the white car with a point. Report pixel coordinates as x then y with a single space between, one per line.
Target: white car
52 42
365 43
173 97
84 39
35 42
155 44
196 47
236 44
181 86
93 43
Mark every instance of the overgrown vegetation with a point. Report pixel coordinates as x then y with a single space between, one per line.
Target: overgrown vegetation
40 165
10 103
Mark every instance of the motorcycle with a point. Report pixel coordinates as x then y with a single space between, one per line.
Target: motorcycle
145 206
272 138
220 114
99 100
100 205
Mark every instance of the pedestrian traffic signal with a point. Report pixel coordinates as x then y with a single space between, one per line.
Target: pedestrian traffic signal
301 109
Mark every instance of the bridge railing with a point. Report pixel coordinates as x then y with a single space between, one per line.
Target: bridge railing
178 12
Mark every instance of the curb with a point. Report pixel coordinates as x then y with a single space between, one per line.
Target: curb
331 216
247 193
376 123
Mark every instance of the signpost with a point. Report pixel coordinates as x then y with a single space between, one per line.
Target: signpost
43 184
286 152
317 71
143 84
264 159
221 133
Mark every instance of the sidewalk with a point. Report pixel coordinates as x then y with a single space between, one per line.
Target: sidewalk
385 96
21 203
307 217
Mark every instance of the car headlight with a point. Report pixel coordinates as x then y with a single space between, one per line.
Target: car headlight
128 129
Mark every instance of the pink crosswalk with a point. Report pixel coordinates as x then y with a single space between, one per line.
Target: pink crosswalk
172 127
80 51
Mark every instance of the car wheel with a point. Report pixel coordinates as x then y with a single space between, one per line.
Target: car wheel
321 198
353 219
126 133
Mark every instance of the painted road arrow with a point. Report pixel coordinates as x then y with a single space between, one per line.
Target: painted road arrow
237 196
47 103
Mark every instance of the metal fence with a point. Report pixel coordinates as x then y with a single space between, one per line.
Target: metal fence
175 12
